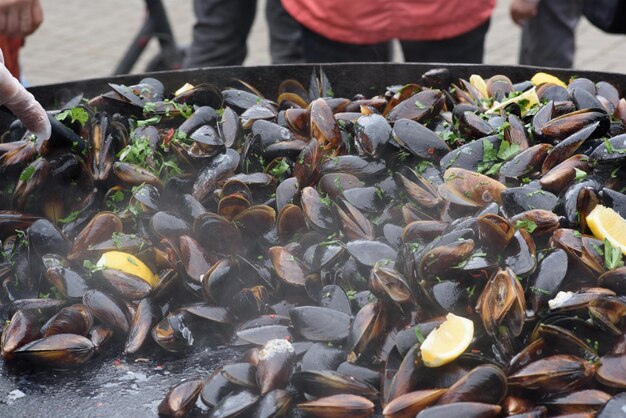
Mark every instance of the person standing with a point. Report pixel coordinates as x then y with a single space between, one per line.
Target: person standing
548 31
429 30
222 27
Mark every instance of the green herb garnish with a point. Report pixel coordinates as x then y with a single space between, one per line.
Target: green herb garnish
612 256
70 218
76 114
27 173
526 224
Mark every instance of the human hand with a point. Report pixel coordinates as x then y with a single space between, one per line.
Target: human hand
19 18
522 10
23 104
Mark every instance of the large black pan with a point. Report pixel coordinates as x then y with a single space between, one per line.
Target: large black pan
111 387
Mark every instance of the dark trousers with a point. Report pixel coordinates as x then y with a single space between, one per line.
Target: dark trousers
549 39
222 27
466 48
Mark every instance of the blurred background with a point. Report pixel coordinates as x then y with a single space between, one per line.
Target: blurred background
87 38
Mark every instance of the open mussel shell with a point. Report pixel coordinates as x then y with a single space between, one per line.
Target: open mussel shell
59 351
181 398
173 333
390 284
502 306
338 406
495 231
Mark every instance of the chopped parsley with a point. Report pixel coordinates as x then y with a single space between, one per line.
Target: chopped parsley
279 169
116 238
139 152
91 267
150 121
27 173
539 291
326 201
418 334
580 174
507 150
75 114
526 224
70 218
612 256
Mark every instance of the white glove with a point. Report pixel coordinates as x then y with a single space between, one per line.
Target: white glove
23 105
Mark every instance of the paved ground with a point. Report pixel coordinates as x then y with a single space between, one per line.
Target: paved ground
86 38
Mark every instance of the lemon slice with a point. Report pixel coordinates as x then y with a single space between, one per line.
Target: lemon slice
542 78
605 223
480 84
447 342
183 89
127 263
529 98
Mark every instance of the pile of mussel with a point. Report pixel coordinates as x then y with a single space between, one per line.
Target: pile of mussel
326 237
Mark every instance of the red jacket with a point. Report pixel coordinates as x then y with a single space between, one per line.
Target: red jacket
374 21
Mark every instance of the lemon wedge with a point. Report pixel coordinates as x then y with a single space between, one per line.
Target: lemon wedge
605 223
542 78
529 98
480 84
447 342
127 263
185 87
